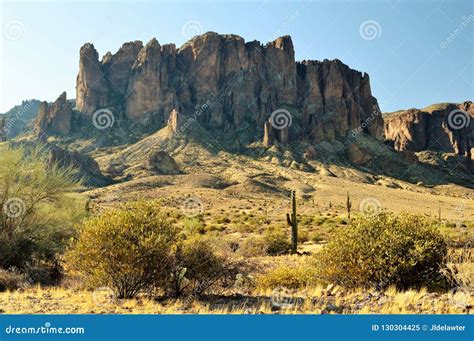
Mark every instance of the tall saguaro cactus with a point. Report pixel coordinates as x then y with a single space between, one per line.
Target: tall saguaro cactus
293 222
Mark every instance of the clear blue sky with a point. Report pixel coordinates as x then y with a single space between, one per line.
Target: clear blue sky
406 61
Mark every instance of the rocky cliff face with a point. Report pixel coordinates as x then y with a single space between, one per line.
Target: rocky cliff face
54 118
448 128
237 82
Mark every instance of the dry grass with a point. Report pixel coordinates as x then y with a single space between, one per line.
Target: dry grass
312 301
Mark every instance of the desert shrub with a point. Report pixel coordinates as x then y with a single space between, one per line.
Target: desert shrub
458 267
199 267
316 237
287 277
37 209
303 236
273 243
11 280
126 249
194 225
276 244
406 251
253 246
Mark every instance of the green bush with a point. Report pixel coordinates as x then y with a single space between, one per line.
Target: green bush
37 209
136 248
406 251
127 249
276 244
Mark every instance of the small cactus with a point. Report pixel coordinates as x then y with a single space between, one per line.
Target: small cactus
293 222
349 206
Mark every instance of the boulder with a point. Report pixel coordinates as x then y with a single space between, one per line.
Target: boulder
87 167
162 163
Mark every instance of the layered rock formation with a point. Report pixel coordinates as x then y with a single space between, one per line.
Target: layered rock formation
54 118
448 128
87 167
238 82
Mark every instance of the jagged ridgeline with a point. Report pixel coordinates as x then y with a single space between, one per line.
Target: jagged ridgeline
224 83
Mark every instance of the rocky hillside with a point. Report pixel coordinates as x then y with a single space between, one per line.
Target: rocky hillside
443 127
19 118
222 82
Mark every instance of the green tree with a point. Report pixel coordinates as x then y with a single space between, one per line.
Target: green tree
37 207
406 251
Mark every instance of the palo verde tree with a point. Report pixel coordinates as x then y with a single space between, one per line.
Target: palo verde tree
37 209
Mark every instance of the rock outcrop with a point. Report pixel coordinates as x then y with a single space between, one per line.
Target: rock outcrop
87 167
175 121
54 118
237 82
447 128
20 118
162 163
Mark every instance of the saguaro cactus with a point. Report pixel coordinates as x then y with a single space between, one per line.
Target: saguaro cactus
349 206
293 222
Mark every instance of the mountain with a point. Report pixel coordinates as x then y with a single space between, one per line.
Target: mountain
19 118
444 127
236 109
225 83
